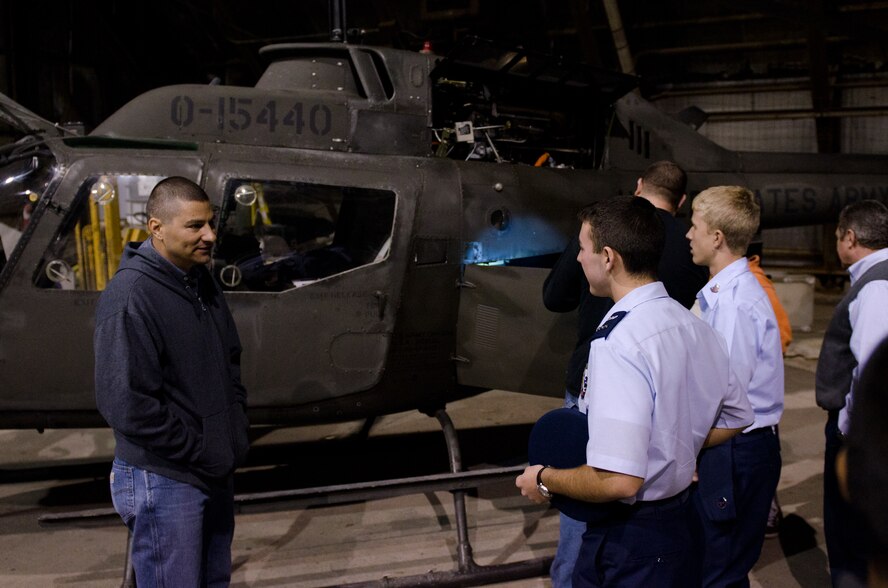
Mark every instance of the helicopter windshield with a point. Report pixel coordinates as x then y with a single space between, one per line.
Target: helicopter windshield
24 177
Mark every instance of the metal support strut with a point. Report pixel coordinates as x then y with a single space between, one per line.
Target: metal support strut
469 573
464 547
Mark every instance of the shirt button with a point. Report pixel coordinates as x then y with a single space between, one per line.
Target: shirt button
722 502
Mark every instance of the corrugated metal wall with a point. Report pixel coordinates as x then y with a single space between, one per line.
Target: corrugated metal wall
865 134
859 134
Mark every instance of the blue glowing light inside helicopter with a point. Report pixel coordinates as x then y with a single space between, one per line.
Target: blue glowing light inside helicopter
524 237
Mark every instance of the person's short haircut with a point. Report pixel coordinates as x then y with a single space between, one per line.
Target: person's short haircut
868 453
631 227
172 189
732 210
667 180
869 221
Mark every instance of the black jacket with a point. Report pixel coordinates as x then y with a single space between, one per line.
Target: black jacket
677 270
564 290
168 370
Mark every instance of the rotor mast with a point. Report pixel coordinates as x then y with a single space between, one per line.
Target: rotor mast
338 33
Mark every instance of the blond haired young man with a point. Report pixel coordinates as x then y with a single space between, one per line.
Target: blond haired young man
737 479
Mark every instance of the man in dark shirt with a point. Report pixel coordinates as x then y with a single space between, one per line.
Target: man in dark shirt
664 185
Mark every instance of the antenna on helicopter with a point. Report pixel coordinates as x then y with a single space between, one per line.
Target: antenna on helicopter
337 21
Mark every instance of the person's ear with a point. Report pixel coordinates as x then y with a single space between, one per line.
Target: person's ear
609 257
681 202
155 227
639 187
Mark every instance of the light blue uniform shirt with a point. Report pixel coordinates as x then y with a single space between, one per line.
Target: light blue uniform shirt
735 304
869 323
656 386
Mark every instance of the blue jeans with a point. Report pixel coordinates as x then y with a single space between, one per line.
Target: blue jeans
570 538
181 534
570 535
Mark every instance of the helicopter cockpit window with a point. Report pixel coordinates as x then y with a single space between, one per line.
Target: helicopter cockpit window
108 212
274 236
24 178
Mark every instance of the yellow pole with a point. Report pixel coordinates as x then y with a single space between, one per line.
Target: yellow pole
113 235
263 206
80 272
89 270
97 249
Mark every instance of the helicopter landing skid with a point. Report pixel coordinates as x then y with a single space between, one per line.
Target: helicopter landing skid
458 482
469 572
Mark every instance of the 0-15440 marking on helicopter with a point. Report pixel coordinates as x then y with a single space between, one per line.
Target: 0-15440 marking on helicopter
239 114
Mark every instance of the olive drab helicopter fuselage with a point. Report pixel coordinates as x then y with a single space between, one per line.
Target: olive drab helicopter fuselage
385 221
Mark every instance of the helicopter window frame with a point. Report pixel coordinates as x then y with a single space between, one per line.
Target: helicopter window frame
275 235
71 261
23 198
388 87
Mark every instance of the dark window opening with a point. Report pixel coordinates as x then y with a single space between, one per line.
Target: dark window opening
280 235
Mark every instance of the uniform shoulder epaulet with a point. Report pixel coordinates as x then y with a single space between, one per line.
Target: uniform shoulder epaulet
607 326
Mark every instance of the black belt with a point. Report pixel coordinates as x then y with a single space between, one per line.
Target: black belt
642 507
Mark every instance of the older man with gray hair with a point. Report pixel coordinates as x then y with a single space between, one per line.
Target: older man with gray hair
859 324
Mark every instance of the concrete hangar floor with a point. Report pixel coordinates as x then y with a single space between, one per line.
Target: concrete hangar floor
63 471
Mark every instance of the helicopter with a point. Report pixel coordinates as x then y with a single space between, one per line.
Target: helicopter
385 221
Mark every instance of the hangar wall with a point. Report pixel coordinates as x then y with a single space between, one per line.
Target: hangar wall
744 117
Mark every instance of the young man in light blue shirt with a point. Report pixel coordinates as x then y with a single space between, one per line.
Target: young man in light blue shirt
737 480
657 391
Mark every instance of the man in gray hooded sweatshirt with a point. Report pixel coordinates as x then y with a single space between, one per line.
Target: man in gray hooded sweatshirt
168 383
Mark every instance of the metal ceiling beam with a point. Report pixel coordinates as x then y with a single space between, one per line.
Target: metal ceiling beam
760 86
621 44
702 21
775 44
796 113
823 97
851 24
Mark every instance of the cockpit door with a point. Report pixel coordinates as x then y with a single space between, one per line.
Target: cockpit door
515 222
305 253
505 336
